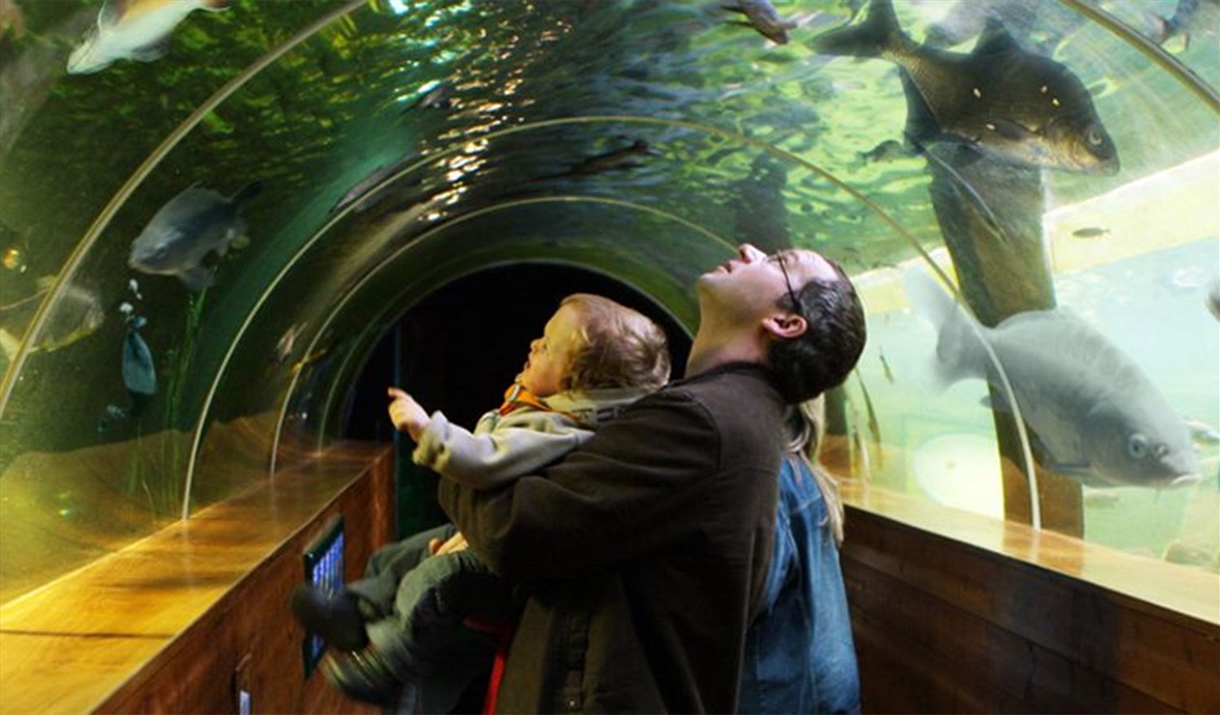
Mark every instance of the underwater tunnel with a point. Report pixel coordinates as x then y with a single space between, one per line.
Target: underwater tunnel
228 225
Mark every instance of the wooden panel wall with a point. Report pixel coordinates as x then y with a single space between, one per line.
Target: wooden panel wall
178 622
942 626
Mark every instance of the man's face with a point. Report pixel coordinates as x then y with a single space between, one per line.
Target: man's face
750 285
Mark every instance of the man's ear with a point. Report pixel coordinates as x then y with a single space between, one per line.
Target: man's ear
785 326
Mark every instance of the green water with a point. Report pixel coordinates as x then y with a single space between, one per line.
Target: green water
748 141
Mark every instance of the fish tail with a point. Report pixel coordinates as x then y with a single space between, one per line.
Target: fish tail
959 349
878 33
247 192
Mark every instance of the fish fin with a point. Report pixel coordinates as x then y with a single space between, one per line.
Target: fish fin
1011 130
871 38
1202 433
112 11
921 125
196 278
247 192
996 40
959 349
9 343
217 5
153 51
965 156
996 403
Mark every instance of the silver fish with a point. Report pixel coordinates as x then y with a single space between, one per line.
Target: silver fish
1014 105
1097 418
762 16
186 229
133 30
76 314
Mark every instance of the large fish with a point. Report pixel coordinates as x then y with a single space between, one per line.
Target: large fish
186 229
133 30
1096 417
1014 105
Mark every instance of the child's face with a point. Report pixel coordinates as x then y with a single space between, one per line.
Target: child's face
551 354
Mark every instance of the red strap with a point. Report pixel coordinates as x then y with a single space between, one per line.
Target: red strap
497 669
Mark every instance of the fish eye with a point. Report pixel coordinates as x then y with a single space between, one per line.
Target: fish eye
1137 446
1093 137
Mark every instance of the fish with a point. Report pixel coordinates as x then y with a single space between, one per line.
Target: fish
1091 232
439 96
133 30
1096 417
77 313
762 16
1189 17
622 158
139 371
368 192
885 368
999 100
187 228
1212 299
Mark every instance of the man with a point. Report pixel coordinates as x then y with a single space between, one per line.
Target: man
643 554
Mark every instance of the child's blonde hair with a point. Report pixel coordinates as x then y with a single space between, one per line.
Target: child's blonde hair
620 347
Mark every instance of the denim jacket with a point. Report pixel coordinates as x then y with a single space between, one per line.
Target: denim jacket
799 652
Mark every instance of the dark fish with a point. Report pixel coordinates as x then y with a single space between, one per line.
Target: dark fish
191 225
139 372
761 16
368 191
1189 17
1213 299
133 30
999 99
1091 232
623 158
1096 417
437 97
885 368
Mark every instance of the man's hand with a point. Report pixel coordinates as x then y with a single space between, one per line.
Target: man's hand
407 414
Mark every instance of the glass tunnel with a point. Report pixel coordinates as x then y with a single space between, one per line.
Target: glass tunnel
377 192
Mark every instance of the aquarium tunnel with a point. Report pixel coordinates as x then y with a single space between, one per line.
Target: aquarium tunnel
229 225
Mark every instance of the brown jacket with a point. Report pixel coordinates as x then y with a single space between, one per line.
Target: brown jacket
643 553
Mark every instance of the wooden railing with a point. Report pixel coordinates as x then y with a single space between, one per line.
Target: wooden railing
180 621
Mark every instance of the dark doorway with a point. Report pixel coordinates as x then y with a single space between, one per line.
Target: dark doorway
460 348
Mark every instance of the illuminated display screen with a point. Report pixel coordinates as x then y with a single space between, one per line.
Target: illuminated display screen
324 571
